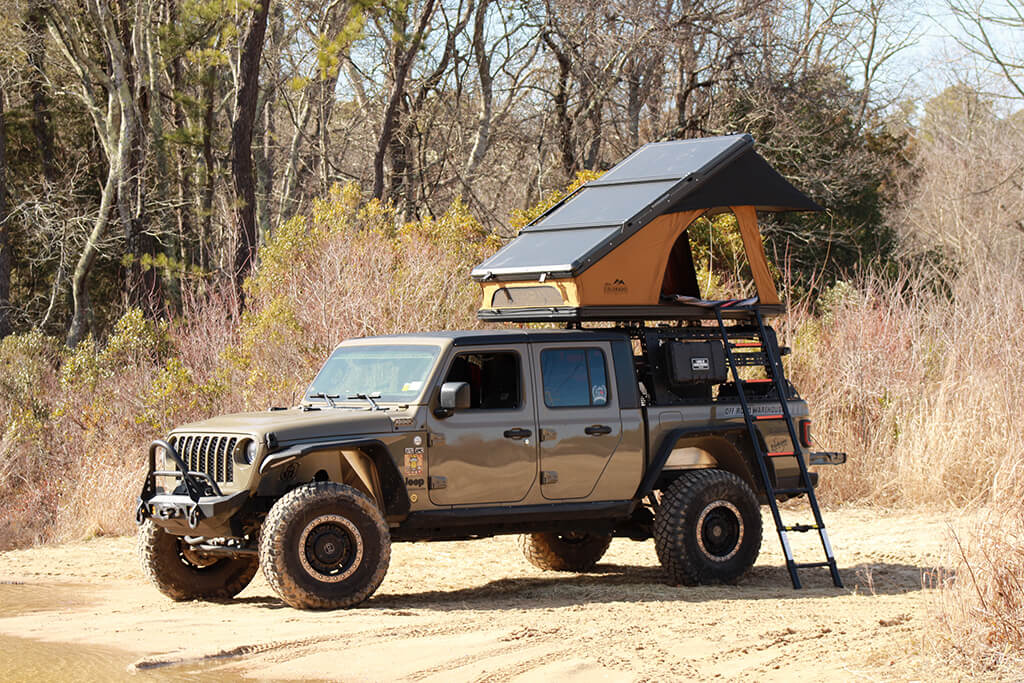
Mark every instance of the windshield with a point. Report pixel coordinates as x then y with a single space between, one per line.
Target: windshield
395 372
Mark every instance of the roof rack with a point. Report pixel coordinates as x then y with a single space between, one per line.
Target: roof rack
618 249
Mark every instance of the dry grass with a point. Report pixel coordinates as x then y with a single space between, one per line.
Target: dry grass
917 386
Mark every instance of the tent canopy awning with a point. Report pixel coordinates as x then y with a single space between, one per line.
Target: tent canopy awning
659 178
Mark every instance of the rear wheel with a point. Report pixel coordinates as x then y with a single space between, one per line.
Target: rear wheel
182 573
707 528
324 546
568 552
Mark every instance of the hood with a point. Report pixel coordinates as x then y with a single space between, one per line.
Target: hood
297 425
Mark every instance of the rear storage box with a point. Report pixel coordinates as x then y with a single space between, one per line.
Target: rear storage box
695 363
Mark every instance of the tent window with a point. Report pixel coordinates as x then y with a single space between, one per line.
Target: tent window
541 295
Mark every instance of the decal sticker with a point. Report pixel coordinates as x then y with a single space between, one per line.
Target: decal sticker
414 461
412 386
616 286
600 393
737 411
417 441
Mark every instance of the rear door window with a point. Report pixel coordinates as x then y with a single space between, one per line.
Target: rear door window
574 378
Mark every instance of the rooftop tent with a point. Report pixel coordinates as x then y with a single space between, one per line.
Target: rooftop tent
619 244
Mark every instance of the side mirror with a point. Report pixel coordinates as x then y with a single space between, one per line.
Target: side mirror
455 396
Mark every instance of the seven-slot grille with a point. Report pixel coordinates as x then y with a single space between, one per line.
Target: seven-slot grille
210 453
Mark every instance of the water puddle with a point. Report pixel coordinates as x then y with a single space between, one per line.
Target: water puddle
31 660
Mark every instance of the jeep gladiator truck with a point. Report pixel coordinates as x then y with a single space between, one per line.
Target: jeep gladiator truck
677 430
566 436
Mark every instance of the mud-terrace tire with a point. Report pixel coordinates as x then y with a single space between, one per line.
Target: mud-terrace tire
707 528
179 579
575 552
324 546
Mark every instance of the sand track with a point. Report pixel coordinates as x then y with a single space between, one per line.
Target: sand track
466 611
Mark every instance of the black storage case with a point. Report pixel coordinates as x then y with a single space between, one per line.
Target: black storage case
696 363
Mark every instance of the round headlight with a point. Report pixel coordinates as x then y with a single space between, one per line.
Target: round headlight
251 451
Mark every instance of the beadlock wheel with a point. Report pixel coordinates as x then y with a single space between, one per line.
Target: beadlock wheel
324 546
720 531
332 548
707 528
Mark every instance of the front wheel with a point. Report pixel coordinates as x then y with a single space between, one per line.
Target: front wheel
324 546
182 573
707 528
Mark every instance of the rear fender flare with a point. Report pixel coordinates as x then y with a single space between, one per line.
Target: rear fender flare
724 443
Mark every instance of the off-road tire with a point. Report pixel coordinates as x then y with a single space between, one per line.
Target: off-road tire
179 579
577 552
347 523
707 528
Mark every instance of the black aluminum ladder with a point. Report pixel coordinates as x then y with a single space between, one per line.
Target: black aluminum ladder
776 373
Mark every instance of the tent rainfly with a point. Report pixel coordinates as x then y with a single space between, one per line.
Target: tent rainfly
618 249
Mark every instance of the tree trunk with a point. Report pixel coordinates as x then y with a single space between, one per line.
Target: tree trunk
42 127
185 211
402 59
242 170
5 242
209 169
482 139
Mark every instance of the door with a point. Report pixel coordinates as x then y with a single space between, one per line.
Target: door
578 416
486 453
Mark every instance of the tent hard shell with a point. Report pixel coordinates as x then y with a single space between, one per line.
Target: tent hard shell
618 249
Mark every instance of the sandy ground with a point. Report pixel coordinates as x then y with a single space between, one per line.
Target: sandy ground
476 610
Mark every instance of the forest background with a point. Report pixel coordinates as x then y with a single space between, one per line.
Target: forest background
200 198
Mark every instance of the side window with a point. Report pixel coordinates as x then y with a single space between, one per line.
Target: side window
494 379
574 378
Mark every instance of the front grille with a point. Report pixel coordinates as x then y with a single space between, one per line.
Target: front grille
209 453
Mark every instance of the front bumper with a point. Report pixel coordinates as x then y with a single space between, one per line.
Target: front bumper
202 510
210 516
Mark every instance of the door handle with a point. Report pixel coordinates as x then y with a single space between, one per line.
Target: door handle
517 433
597 430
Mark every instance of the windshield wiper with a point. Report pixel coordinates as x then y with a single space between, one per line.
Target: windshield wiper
327 397
369 397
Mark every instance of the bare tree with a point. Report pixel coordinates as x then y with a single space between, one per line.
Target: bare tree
242 169
5 241
404 49
992 31
104 89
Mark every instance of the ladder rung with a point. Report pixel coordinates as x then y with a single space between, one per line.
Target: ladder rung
800 528
789 492
809 565
779 454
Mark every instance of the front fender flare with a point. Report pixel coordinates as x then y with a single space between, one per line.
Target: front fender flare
394 497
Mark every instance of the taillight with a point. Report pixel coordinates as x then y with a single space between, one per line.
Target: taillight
805 433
